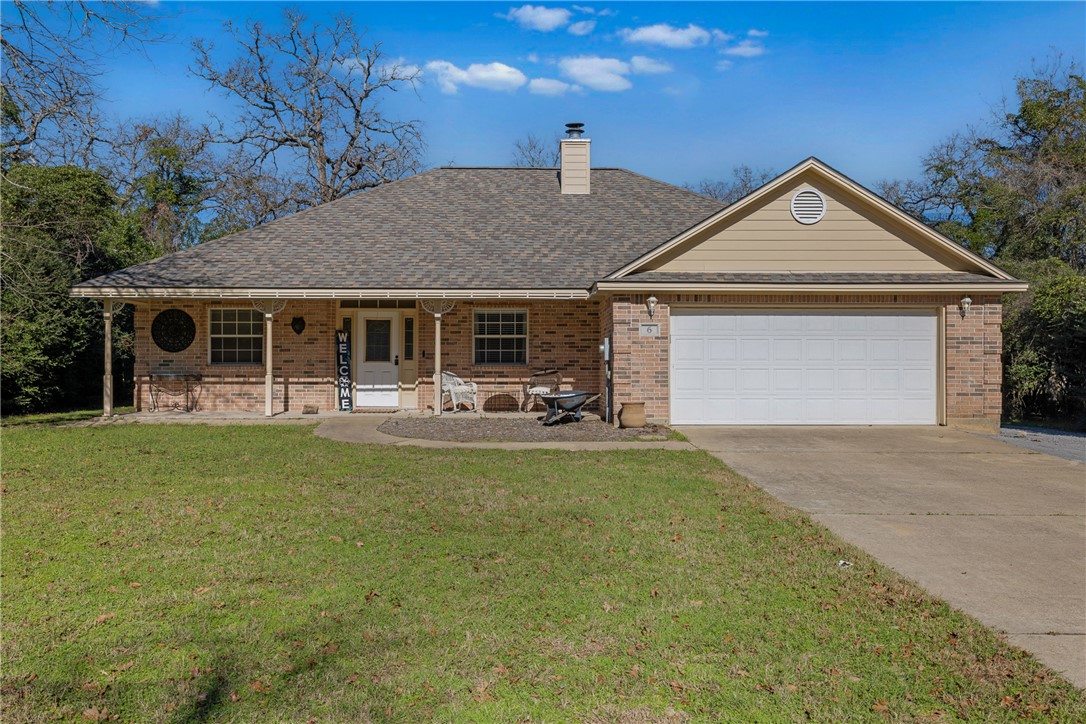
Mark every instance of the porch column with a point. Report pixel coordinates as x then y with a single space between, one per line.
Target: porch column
109 308
437 307
269 307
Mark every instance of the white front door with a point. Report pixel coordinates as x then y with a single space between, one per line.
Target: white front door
377 352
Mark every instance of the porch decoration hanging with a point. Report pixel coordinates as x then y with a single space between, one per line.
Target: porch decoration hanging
173 330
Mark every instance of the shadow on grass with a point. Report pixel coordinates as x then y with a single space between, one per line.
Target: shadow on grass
57 418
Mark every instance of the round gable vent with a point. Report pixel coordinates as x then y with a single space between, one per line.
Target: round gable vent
808 206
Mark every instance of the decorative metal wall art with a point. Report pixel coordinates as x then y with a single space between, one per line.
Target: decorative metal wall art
173 330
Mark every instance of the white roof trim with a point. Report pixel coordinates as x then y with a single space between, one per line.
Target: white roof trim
813 164
271 293
809 288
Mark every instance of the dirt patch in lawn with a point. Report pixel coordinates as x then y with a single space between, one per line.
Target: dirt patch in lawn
514 429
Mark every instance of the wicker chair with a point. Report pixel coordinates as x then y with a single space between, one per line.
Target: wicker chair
542 382
459 391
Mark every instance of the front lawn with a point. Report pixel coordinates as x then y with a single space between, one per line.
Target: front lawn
259 573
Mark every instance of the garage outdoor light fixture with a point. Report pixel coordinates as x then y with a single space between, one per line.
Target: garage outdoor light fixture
966 303
651 304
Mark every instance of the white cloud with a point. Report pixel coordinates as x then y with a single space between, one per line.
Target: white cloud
550 87
723 65
746 49
492 76
666 35
537 17
532 57
602 74
584 9
648 66
755 33
721 37
607 12
397 67
584 27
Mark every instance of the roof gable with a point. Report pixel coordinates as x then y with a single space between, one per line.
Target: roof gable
859 232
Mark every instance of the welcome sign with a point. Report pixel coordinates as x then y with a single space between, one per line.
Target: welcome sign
343 369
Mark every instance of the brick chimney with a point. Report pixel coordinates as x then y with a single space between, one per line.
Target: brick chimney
575 175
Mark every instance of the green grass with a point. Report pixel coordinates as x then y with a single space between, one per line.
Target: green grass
179 573
58 418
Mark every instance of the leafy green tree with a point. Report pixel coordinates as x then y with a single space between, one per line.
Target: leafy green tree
1045 343
1016 189
59 225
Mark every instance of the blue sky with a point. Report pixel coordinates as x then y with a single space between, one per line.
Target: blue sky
677 91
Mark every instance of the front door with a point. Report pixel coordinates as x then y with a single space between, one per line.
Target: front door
378 359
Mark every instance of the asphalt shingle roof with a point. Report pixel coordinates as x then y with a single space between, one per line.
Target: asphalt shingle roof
447 228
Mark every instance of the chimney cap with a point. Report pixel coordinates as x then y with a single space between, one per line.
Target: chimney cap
574 130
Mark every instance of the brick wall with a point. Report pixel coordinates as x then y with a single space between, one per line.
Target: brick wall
974 369
973 348
561 334
303 364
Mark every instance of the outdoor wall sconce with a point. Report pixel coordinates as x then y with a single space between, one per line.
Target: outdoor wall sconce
298 325
966 303
651 304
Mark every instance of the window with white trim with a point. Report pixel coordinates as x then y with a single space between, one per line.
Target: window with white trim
501 337
237 337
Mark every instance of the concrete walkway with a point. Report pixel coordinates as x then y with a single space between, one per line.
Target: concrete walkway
363 429
997 531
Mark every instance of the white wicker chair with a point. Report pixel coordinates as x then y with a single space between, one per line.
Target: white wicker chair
459 392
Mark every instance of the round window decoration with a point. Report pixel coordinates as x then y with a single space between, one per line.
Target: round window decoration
173 330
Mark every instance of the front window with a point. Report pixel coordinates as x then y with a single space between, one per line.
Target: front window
501 337
237 337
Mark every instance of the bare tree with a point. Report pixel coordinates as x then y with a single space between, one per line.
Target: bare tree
534 152
744 180
51 55
309 107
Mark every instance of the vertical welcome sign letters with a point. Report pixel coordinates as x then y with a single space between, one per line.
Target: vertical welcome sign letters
343 369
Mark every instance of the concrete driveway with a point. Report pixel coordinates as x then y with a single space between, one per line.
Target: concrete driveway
996 530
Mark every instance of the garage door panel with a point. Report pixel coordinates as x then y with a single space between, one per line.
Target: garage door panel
754 323
690 381
916 380
754 350
916 350
852 350
787 411
821 350
689 350
787 323
787 380
787 350
754 381
851 380
820 367
693 325
820 380
723 350
753 410
884 381
721 323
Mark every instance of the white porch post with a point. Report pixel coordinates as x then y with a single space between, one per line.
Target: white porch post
109 308
269 307
437 307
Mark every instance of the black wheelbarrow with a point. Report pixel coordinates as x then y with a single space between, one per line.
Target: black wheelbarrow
566 403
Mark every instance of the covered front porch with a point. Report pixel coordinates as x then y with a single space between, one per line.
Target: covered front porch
330 356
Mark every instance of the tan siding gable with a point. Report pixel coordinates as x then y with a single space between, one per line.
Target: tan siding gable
852 237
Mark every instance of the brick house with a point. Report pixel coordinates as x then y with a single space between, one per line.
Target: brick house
809 301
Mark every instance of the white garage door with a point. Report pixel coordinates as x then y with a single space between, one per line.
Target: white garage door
809 368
